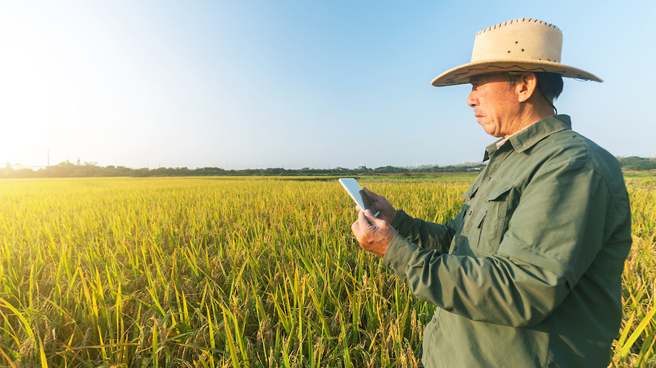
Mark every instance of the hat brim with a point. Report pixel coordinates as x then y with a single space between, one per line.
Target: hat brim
461 74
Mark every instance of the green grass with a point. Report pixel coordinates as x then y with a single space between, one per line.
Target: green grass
220 272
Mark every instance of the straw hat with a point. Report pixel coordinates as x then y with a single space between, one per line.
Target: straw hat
521 45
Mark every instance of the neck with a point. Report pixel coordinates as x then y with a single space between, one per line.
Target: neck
529 113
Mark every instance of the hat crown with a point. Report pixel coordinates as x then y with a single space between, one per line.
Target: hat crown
520 45
519 39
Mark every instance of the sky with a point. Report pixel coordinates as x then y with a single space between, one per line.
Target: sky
293 84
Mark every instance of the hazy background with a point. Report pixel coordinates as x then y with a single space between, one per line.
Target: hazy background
320 84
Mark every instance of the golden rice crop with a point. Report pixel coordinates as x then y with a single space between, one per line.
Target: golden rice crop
221 272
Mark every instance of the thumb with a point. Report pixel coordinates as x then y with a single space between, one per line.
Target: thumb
369 193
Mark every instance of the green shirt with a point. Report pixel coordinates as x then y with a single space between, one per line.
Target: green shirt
528 274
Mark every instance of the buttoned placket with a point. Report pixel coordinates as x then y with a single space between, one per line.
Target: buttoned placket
497 157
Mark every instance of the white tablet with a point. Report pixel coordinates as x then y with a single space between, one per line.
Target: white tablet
358 195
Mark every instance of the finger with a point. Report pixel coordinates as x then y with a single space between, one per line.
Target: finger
370 216
355 228
358 208
365 217
372 219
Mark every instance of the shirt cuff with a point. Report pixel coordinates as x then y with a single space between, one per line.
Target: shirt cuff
402 222
399 253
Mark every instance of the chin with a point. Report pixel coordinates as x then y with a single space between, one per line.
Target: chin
491 131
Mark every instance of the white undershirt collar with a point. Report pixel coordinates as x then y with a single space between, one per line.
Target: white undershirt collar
501 142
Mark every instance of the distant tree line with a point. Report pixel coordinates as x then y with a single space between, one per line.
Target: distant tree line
87 169
637 163
91 169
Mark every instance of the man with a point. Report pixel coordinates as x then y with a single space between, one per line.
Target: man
528 274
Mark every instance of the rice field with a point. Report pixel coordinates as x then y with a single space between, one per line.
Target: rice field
229 272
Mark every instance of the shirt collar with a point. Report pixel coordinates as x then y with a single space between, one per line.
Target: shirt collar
500 142
531 135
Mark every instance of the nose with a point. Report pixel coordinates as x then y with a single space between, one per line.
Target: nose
471 100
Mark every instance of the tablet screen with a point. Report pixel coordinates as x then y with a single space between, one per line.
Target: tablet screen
358 195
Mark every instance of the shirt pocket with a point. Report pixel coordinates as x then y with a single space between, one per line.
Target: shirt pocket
494 224
477 225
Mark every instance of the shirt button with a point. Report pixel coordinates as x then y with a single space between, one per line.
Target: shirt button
455 248
487 178
434 320
470 212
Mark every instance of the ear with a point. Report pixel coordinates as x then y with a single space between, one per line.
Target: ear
526 86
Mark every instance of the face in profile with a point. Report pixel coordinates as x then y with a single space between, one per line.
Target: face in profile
495 103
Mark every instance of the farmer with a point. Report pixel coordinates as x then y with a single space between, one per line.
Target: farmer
528 274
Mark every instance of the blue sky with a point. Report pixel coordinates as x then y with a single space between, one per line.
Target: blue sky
321 84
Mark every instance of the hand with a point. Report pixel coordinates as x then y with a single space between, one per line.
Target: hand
374 235
387 212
